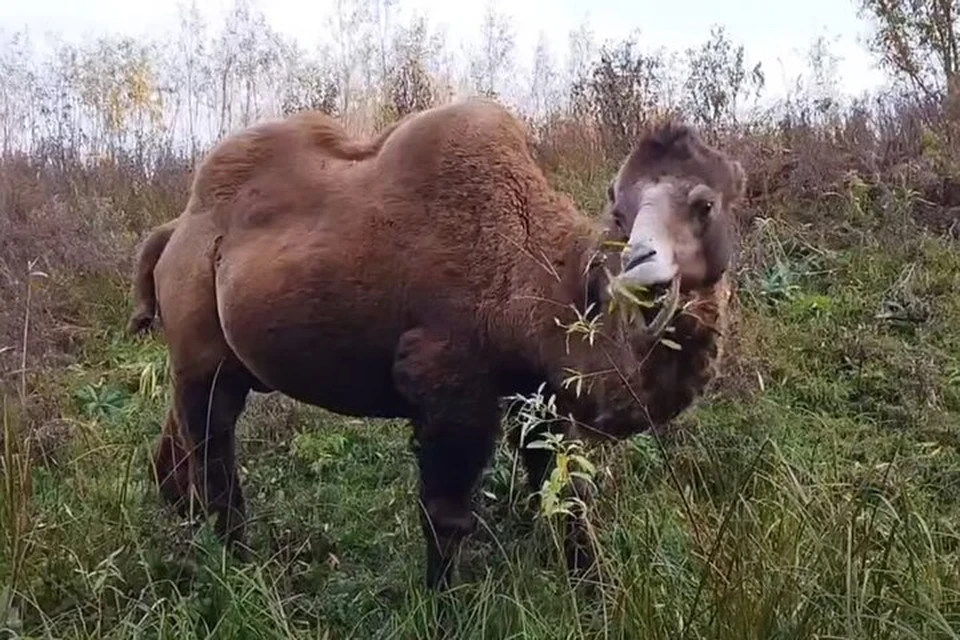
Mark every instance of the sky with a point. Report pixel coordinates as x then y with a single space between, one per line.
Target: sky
775 33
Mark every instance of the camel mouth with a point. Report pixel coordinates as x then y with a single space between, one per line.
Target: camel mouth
664 297
647 264
668 308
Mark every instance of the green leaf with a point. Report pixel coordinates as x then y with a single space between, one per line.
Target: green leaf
538 444
584 464
583 476
670 344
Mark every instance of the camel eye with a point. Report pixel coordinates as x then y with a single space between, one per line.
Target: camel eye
701 200
703 208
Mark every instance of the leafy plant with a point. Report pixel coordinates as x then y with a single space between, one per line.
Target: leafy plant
101 400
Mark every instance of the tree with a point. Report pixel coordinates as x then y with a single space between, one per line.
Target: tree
408 85
117 81
354 49
544 81
192 67
623 91
381 11
917 40
310 84
489 68
580 50
248 55
18 86
717 79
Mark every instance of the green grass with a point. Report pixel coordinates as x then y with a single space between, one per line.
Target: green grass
817 495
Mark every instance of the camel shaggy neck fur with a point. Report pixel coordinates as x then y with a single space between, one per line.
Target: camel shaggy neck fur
424 274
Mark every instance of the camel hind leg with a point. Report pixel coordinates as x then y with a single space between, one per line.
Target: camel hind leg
171 465
207 408
210 385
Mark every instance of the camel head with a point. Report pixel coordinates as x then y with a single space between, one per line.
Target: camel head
669 216
670 209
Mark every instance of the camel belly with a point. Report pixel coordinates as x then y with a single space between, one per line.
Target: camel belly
312 329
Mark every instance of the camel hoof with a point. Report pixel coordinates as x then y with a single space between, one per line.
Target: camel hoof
139 323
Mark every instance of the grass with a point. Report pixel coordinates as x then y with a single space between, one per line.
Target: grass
813 494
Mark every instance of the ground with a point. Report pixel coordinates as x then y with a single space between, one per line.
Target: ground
814 493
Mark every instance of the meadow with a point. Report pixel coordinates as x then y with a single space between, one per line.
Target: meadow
812 493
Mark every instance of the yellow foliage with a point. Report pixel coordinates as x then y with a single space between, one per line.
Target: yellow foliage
118 81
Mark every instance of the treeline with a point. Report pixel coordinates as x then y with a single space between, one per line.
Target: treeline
150 103
147 107
176 92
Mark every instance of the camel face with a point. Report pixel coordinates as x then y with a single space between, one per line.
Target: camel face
674 231
671 204
670 208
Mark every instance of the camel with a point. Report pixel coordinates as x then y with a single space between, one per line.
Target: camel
426 275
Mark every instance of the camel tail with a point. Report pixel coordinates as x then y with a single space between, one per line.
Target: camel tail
144 289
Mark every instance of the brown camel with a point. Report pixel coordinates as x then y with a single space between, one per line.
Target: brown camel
422 275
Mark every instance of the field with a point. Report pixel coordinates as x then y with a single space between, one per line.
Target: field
814 492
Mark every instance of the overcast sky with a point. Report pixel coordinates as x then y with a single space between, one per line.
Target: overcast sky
775 33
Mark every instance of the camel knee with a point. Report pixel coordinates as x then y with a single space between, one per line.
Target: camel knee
448 519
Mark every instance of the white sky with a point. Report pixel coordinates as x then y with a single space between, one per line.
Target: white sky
775 33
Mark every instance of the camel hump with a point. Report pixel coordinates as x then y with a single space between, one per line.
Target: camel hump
236 158
328 136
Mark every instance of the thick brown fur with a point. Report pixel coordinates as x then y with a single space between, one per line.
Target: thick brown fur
421 279
248 147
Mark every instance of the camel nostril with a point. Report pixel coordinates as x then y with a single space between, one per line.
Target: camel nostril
638 258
